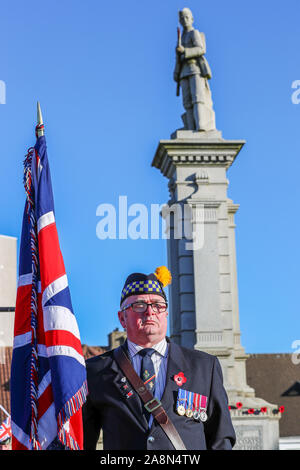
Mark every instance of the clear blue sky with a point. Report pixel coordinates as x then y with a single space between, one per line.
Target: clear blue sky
103 74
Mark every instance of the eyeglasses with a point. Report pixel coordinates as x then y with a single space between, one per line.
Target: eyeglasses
141 307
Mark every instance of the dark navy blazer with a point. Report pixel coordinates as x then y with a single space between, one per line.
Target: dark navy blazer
122 419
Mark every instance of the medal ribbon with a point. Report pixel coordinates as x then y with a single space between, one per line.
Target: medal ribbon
184 398
181 398
203 401
196 402
178 398
190 397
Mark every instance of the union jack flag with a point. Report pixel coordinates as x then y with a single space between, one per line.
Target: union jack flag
5 430
48 375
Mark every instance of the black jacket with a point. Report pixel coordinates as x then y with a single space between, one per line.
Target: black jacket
122 420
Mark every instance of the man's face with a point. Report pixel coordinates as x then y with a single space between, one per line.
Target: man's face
144 328
185 19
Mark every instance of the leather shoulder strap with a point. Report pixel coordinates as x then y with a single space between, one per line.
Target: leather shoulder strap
153 405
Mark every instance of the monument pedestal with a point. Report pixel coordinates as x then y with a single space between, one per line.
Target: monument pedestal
204 310
256 432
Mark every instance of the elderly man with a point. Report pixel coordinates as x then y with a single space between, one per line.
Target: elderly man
182 388
192 72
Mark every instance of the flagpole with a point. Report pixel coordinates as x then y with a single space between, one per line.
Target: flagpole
40 124
4 411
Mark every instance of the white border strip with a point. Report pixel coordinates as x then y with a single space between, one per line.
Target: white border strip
20 435
22 340
26 280
60 318
47 427
65 351
56 286
42 350
45 219
46 380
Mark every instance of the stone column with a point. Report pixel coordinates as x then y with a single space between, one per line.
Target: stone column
204 310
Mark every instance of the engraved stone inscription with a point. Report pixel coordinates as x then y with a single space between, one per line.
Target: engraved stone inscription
248 438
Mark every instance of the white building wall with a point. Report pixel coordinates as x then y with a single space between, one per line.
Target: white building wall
289 443
8 287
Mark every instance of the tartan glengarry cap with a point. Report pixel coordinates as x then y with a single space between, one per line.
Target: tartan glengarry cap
154 283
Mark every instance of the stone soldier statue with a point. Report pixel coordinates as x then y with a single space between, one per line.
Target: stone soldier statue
192 73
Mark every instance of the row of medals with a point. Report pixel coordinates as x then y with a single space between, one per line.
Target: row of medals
197 414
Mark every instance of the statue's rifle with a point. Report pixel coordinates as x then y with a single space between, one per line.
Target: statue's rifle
178 65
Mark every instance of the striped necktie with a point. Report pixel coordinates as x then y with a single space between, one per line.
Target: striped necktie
147 372
147 369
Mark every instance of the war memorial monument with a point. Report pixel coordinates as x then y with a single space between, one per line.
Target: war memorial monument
204 310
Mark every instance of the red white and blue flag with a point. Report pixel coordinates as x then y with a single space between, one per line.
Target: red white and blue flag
5 430
48 375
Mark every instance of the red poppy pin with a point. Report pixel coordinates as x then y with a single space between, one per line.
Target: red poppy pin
281 409
239 405
180 379
264 409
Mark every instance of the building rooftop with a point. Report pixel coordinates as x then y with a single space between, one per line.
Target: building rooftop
276 379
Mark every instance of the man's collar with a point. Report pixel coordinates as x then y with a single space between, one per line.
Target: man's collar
159 347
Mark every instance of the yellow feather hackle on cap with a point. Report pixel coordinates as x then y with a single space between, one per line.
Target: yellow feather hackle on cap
163 275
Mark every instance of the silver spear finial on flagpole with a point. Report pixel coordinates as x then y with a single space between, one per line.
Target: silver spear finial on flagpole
40 124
